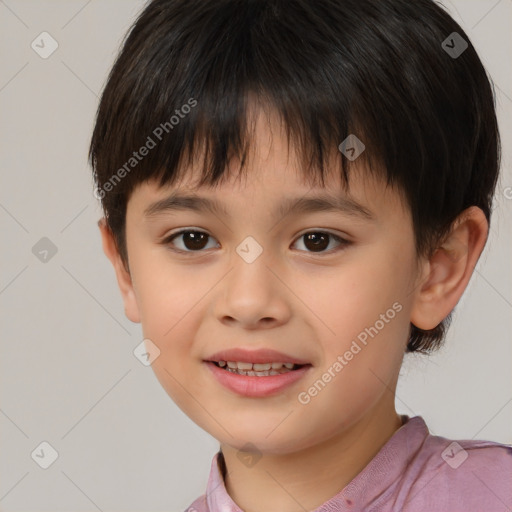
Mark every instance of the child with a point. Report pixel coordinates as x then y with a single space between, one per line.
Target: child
277 309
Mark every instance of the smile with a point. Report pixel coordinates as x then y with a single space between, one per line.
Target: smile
256 379
257 369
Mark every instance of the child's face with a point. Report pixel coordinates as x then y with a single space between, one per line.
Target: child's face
306 302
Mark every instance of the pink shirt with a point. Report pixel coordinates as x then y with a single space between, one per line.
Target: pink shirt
413 472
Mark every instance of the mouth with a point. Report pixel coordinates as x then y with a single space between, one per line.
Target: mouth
257 369
257 380
256 373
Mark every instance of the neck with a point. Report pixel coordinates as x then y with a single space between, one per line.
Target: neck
306 479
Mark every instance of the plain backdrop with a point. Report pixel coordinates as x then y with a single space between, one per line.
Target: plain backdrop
68 373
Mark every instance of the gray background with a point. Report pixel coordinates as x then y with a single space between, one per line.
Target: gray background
68 373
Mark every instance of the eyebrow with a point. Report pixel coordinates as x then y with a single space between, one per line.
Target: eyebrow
310 204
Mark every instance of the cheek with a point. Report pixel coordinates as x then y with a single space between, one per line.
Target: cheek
165 295
171 310
348 299
364 320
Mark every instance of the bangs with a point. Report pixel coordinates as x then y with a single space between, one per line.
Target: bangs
191 71
212 140
378 84
195 93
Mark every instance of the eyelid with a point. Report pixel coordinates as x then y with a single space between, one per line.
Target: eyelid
301 233
180 231
168 238
343 240
323 230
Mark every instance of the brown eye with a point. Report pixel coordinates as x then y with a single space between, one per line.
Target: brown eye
191 240
318 241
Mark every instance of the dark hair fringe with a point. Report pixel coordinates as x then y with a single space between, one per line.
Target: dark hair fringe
375 68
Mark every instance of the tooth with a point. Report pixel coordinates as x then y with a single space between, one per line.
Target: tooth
256 369
244 366
262 366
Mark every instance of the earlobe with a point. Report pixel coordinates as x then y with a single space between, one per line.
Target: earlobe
124 279
447 273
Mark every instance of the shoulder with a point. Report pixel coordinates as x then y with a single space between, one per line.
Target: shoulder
467 455
460 475
199 505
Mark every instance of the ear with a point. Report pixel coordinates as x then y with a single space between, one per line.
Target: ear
446 274
124 279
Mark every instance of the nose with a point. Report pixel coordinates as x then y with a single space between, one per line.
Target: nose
253 296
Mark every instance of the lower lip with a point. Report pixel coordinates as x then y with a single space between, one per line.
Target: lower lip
256 386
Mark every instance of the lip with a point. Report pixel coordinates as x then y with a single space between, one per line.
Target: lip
256 387
255 356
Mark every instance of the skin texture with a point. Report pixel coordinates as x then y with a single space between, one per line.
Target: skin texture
292 299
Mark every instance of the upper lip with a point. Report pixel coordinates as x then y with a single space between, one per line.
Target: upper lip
265 355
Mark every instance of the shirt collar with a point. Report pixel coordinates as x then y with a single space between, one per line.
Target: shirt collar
379 474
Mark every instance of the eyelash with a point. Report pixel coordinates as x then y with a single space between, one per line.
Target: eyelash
342 241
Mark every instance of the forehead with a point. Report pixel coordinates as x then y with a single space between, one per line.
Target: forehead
273 178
